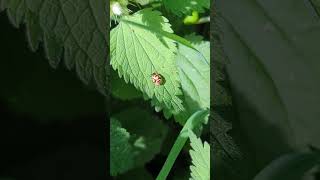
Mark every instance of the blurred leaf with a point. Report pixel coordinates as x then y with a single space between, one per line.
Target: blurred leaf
273 73
185 7
290 166
226 156
146 133
121 151
316 5
122 90
144 2
76 30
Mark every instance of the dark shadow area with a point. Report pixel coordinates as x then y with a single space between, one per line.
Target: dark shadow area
52 126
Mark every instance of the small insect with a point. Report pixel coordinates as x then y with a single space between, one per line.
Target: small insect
157 79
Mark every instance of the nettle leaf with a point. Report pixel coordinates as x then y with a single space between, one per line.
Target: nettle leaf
144 2
137 53
76 30
121 151
185 7
315 4
122 90
193 123
146 134
200 155
292 166
272 70
229 161
194 72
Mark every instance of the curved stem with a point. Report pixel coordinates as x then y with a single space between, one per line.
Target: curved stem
194 121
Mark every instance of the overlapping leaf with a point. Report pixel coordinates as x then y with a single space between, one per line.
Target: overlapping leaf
292 166
121 151
185 7
122 90
137 53
76 30
194 72
200 155
145 136
273 71
229 158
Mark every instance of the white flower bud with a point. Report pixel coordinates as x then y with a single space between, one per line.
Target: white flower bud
116 8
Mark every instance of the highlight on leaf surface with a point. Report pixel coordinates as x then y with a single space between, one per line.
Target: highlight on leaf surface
194 73
200 155
137 52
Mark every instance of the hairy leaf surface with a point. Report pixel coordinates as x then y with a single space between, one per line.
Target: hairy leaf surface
200 155
137 53
194 72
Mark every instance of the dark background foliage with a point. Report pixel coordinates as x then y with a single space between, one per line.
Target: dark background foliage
46 130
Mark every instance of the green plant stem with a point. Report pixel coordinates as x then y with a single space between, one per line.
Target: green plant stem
175 151
194 121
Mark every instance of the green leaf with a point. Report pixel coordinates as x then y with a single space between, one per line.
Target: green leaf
137 53
121 151
122 90
194 72
316 5
185 7
160 32
144 2
192 123
200 155
146 134
229 160
273 70
291 166
76 30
